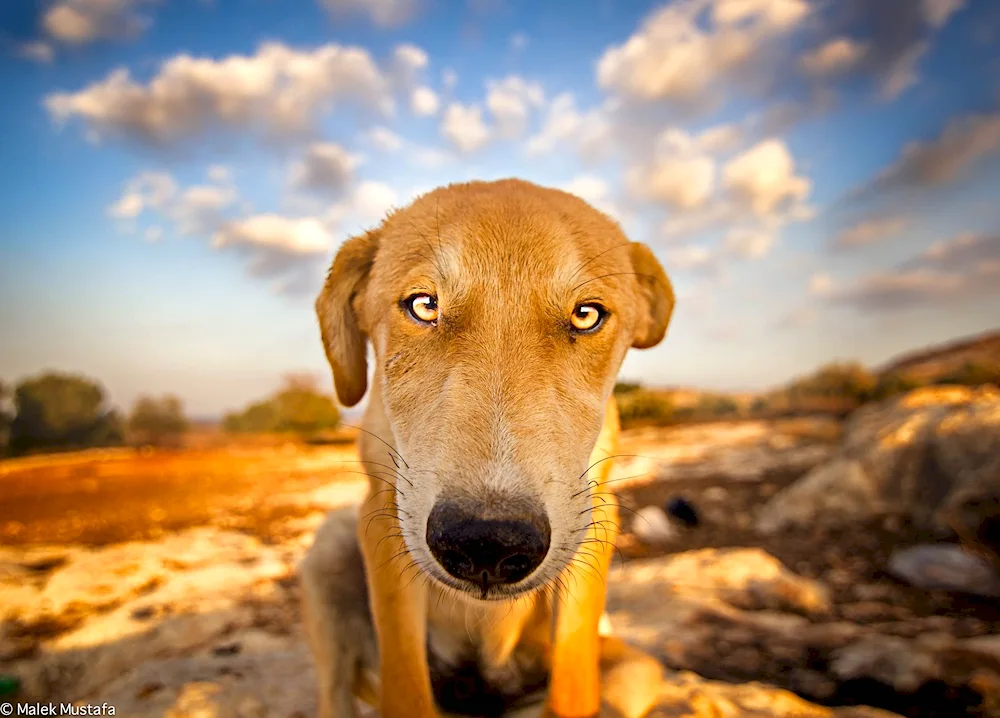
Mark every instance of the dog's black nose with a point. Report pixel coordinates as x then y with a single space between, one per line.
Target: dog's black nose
486 551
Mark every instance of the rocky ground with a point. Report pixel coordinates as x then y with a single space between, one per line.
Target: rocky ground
200 617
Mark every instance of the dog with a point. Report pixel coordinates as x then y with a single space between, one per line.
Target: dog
472 579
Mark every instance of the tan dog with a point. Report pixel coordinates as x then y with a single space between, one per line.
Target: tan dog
473 577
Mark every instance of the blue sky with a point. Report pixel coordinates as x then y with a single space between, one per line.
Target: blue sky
819 179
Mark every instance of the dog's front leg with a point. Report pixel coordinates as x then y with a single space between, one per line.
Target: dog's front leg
575 685
399 610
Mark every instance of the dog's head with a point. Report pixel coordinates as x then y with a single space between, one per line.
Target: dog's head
499 314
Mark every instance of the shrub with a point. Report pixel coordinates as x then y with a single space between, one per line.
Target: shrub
972 373
56 411
157 422
641 405
297 408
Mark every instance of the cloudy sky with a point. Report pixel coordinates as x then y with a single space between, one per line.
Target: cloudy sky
821 178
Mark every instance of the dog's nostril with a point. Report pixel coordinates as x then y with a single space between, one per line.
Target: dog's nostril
486 551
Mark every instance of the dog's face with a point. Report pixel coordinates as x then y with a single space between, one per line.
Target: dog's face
499 314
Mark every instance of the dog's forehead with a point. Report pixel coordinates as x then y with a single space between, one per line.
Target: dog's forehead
514 233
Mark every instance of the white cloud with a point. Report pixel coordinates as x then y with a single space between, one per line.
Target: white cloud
198 210
383 13
385 139
295 236
763 179
510 102
681 55
463 126
449 78
195 210
750 243
41 52
408 62
772 13
424 101
588 132
430 157
518 42
870 231
938 12
370 201
689 257
148 190
680 174
279 89
963 267
153 234
902 73
326 167
836 57
219 173
78 22
594 190
820 284
963 142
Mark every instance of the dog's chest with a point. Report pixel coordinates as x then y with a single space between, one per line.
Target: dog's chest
485 660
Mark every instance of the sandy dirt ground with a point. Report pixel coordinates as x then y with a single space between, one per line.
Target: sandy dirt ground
57 513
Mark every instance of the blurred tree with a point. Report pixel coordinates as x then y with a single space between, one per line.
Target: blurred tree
892 384
157 422
972 373
62 411
298 407
712 406
625 387
644 406
6 416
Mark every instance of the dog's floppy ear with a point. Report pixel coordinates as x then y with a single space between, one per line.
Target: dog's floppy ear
657 294
344 339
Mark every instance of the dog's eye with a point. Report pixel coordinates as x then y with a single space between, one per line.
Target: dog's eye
588 317
423 308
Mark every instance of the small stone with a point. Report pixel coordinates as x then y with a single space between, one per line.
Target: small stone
944 567
873 592
812 684
652 526
715 494
866 611
683 510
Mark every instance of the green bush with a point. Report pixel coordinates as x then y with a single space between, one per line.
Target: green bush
716 406
892 384
972 374
56 411
641 405
157 422
6 416
297 408
626 387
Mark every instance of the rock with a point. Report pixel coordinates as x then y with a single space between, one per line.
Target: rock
682 510
867 611
944 566
745 577
652 526
715 494
686 694
836 491
888 659
926 455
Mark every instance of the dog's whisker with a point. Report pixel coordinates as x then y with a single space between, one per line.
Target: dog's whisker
583 266
618 274
372 434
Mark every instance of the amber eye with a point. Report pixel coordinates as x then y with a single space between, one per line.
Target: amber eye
423 308
588 317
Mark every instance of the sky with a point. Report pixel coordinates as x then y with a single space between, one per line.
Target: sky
819 178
